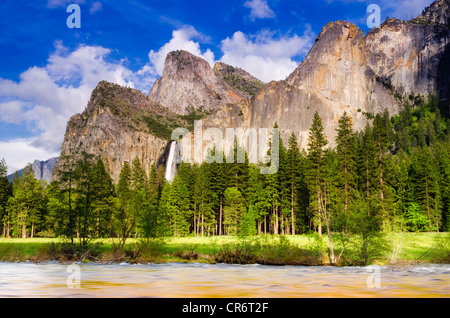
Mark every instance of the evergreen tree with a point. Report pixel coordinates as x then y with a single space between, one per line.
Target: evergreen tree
424 187
57 220
26 204
295 178
125 218
233 211
219 175
152 223
346 160
248 223
85 218
237 167
5 193
443 158
176 207
67 176
381 143
139 199
103 191
315 171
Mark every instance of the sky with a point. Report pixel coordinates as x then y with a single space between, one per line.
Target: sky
48 70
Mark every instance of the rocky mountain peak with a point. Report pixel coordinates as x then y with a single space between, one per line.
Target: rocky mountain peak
239 79
437 13
334 67
189 83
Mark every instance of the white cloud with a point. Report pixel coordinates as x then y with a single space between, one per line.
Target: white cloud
19 152
51 4
265 56
11 112
46 97
405 9
182 39
96 6
259 9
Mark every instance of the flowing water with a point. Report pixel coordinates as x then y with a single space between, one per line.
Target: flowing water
170 169
177 280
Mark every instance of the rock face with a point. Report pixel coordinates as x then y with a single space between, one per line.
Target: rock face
408 56
189 83
245 83
112 128
42 169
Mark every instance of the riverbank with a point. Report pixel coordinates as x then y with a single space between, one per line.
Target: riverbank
395 248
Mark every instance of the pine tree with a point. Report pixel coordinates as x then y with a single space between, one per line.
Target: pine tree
152 223
248 223
139 200
424 187
125 219
295 178
103 191
67 176
26 204
366 163
421 138
381 143
233 211
443 158
315 171
219 175
85 218
237 166
57 220
176 207
5 193
346 160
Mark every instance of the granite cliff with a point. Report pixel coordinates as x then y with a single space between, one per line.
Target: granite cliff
189 83
42 169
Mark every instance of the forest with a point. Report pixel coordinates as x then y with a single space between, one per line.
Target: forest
393 176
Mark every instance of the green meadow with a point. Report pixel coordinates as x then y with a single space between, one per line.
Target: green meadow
394 248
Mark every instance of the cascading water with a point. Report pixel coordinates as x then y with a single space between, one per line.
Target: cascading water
171 165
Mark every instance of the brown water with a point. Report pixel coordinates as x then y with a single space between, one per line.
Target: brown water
220 280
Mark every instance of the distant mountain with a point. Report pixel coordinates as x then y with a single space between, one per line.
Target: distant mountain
42 169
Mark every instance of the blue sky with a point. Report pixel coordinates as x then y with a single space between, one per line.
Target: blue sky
47 71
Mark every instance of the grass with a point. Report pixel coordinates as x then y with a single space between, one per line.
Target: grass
399 248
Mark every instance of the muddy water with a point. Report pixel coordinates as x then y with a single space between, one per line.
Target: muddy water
220 280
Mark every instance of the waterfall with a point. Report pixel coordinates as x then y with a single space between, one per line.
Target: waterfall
170 164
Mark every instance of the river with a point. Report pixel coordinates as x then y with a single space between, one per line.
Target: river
177 280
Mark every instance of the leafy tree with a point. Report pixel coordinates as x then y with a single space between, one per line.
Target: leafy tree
248 223
417 221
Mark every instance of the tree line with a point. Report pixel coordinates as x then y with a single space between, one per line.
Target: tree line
393 175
